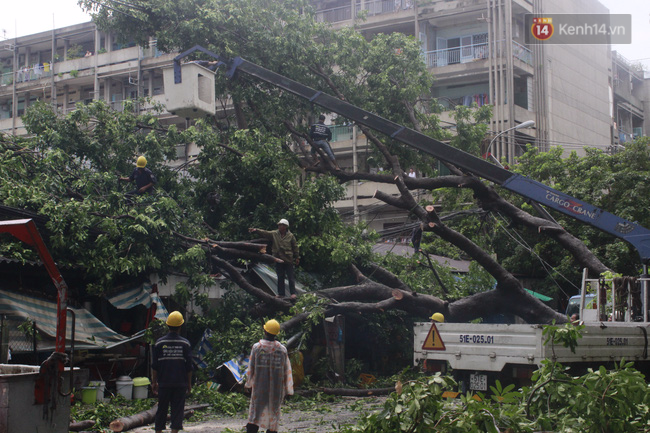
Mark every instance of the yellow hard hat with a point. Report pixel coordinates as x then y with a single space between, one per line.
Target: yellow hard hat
141 162
175 319
272 327
437 317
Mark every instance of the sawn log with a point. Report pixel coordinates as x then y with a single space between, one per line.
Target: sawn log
147 417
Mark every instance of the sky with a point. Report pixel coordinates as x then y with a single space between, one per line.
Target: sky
17 19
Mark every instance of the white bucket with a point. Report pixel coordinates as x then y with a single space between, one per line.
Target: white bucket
140 387
101 388
140 392
124 385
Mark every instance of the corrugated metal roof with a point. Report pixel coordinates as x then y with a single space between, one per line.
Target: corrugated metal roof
407 250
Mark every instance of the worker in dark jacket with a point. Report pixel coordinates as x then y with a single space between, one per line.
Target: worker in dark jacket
171 374
143 177
285 248
321 135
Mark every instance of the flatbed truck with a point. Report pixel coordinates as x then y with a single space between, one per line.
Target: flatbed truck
477 354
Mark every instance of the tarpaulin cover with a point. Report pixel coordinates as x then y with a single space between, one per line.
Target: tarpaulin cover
236 366
202 348
140 295
90 332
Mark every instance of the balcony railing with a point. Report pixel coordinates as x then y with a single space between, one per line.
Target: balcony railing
522 53
372 8
470 53
334 15
6 79
26 74
383 7
341 132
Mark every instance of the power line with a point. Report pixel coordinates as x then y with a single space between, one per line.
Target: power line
544 263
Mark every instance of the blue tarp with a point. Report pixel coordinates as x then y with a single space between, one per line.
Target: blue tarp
236 366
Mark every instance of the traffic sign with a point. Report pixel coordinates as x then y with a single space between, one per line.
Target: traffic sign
433 340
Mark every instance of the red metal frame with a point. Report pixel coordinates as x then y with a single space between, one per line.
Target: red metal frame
26 231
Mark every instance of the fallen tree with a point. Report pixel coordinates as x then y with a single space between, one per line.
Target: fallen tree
248 173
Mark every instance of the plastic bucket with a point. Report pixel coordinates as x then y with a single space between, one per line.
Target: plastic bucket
88 395
140 387
101 388
124 386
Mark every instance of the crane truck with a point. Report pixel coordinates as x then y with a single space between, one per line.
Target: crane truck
480 353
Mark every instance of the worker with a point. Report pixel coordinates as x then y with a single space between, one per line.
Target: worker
143 177
416 238
321 135
171 374
270 380
438 318
284 247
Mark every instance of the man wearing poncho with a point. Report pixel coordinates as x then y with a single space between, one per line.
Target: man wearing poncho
269 376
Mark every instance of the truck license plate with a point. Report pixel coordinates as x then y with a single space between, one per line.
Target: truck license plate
478 382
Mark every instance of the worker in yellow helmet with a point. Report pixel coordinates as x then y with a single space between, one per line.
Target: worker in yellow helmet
437 317
171 377
270 380
143 177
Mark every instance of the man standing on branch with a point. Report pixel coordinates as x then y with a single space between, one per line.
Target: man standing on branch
321 135
171 374
143 177
285 248
270 379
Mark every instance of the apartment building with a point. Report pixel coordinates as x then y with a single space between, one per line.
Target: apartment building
76 64
631 100
476 50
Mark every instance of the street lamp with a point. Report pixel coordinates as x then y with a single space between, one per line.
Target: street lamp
526 124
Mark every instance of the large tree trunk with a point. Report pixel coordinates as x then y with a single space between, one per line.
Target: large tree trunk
147 417
81 425
348 392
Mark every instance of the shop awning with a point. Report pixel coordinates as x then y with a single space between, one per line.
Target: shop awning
90 333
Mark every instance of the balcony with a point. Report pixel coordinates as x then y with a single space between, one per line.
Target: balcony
341 132
472 53
371 8
24 75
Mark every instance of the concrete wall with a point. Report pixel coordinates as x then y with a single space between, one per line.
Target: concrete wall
578 77
646 106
